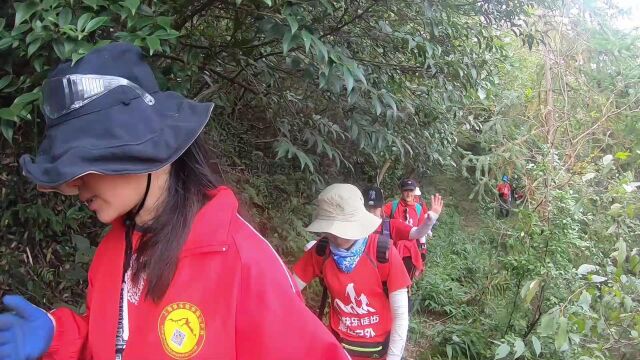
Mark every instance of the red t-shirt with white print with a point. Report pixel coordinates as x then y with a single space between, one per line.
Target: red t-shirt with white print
360 310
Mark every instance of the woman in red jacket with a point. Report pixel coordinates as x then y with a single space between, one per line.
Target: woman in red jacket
180 275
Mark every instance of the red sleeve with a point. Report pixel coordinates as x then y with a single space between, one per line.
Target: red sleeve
309 266
400 230
398 277
387 209
272 321
70 333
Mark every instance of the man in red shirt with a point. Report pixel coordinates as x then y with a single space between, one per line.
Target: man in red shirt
406 210
504 196
369 305
398 229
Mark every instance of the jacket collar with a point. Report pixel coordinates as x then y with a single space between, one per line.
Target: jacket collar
209 228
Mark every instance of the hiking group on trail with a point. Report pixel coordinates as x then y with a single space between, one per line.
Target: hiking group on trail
508 196
180 274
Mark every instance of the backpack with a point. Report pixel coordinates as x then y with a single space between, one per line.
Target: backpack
382 257
394 207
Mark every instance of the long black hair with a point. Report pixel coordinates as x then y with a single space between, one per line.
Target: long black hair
157 256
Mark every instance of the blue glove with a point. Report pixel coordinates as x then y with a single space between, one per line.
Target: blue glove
25 332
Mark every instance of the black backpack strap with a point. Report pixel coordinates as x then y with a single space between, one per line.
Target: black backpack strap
322 246
382 255
323 251
384 242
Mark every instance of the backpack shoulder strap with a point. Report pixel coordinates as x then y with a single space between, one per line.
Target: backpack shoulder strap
384 242
381 262
394 207
323 251
419 210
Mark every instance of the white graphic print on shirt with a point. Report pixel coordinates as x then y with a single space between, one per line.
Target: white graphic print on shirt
356 325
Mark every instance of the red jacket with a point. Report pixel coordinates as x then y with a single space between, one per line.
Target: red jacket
504 189
231 298
408 214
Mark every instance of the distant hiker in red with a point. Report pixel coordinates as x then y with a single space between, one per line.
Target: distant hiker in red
363 274
395 228
412 213
180 274
504 196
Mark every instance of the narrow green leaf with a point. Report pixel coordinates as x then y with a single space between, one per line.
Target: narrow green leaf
83 20
482 93
307 39
293 23
286 42
502 351
585 301
95 23
360 75
532 290
5 43
389 101
634 262
238 2
622 253
376 103
562 336
519 348
449 351
622 155
20 29
92 3
64 17
321 51
153 43
164 21
548 323
7 130
132 5
33 47
76 56
8 114
24 10
5 80
268 2
348 78
537 347
26 98
58 47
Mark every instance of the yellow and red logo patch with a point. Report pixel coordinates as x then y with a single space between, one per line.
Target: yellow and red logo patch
181 329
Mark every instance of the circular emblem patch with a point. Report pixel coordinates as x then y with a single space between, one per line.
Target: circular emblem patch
181 329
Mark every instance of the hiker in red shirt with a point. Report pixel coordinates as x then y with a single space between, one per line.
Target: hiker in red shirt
363 274
398 229
408 211
504 196
180 275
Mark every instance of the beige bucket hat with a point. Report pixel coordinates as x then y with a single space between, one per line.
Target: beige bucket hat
341 212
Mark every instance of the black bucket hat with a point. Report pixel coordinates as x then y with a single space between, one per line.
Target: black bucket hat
118 132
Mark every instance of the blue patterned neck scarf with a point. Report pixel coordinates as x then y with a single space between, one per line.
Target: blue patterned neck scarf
346 260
